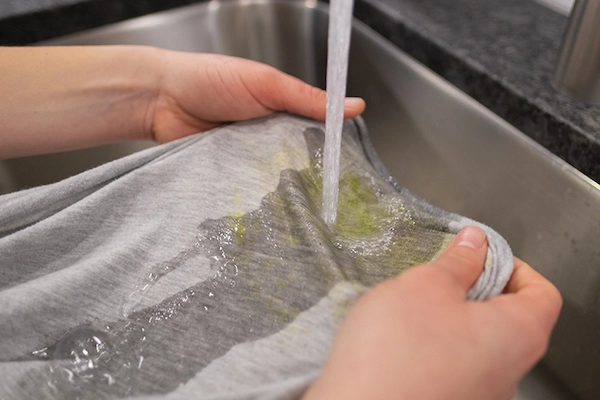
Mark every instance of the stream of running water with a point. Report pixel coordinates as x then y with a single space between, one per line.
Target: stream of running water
340 21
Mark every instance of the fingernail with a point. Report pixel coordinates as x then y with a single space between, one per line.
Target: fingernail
352 101
470 236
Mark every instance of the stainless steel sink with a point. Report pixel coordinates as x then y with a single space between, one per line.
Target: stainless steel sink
433 138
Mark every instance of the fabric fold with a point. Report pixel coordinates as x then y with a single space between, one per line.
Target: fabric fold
157 270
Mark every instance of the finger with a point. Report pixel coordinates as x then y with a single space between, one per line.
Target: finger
353 106
529 311
464 258
534 294
282 92
523 277
309 101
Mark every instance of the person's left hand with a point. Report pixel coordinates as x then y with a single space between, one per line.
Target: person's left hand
63 98
197 92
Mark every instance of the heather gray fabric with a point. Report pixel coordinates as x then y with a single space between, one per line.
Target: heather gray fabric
201 268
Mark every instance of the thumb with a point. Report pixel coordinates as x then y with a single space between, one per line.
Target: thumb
464 258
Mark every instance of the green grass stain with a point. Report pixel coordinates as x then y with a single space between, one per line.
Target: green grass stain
237 227
365 218
282 283
240 233
360 213
374 238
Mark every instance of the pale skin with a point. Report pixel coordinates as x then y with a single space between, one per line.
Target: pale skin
416 337
63 98
411 337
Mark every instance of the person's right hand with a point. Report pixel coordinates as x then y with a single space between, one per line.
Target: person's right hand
416 337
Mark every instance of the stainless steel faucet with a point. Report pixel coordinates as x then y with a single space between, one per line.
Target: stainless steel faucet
578 69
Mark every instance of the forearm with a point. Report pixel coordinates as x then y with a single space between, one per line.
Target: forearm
61 98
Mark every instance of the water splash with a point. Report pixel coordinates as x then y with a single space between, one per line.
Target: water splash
134 299
93 355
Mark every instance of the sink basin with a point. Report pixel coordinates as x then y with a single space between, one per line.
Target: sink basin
560 6
435 140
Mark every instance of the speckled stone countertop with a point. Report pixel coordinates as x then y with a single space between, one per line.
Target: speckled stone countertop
502 53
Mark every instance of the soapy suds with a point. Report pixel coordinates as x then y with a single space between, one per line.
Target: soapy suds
340 21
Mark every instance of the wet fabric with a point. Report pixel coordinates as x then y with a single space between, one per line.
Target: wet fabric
202 268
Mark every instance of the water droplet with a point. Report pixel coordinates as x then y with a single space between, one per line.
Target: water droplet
41 353
109 379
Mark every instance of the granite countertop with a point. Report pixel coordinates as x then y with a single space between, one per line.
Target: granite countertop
502 54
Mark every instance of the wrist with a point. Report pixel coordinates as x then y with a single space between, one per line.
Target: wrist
64 98
138 71
151 67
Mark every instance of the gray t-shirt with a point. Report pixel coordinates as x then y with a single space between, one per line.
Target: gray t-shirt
202 268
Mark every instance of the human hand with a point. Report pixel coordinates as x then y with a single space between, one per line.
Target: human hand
416 337
197 92
63 98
